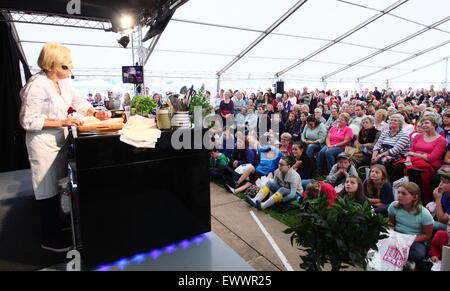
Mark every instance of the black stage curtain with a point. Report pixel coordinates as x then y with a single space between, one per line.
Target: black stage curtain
13 152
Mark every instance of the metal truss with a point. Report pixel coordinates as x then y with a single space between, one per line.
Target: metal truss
387 48
421 68
263 35
405 60
33 18
342 37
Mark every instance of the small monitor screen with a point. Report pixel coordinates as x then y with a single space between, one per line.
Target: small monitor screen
133 74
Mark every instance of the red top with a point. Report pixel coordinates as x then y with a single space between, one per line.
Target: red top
435 149
439 241
329 191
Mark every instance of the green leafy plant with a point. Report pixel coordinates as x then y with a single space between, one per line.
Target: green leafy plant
200 99
144 105
342 234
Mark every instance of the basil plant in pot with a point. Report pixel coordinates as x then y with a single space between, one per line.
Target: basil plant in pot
199 99
144 105
339 235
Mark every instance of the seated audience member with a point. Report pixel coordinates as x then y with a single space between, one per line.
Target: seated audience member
239 102
318 114
303 165
337 139
446 126
392 145
426 154
251 119
367 138
353 188
378 190
286 185
228 142
341 170
315 188
217 164
333 119
286 144
408 216
380 120
269 157
292 126
98 100
440 240
313 136
356 122
241 117
284 114
302 120
442 200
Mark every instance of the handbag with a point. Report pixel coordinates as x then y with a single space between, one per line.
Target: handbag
353 152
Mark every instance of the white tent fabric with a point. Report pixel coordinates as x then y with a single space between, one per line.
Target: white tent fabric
206 35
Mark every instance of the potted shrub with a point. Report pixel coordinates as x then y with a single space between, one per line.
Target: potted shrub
200 99
342 234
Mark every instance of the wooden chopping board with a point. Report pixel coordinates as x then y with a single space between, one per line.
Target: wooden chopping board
105 125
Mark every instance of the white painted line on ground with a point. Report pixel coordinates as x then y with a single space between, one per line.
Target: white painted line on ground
273 243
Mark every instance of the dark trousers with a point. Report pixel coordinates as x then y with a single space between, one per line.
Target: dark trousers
51 222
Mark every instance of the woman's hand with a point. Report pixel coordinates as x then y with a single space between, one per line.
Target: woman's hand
69 121
434 259
102 115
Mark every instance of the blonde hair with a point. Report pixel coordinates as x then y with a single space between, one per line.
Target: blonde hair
345 115
54 55
383 113
414 190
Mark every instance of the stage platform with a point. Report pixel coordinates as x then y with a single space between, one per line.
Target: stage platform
20 243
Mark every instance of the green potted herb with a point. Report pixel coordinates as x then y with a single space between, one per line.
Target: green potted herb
342 234
144 105
199 99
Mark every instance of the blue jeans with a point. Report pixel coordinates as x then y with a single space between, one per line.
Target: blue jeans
311 149
274 187
439 226
327 156
417 252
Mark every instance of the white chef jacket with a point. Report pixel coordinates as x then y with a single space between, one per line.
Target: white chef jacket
47 149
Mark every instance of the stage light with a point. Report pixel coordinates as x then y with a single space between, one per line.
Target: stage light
124 41
126 22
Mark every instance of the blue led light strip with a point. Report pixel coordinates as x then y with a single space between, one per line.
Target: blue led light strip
156 253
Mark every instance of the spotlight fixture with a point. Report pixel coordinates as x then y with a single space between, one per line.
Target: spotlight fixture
124 41
126 22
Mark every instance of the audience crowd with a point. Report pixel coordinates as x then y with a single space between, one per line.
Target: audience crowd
389 148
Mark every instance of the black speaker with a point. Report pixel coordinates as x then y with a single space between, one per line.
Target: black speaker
279 87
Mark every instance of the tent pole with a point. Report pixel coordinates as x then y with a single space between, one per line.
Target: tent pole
218 83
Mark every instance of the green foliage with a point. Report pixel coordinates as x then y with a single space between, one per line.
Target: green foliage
144 105
339 235
200 99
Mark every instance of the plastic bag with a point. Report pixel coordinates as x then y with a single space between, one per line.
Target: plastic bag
392 252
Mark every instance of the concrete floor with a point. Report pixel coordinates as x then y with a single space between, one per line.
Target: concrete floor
232 222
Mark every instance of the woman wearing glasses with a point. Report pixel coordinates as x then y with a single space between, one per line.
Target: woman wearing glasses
45 100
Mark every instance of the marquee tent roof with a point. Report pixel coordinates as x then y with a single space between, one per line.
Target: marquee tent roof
333 42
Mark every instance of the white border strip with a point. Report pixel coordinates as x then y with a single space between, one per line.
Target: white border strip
273 243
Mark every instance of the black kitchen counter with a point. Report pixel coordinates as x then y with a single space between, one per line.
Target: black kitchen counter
132 200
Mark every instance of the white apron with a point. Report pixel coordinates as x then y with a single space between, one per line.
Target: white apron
47 148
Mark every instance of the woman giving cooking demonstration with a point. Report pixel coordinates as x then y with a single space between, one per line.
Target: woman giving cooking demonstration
45 100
